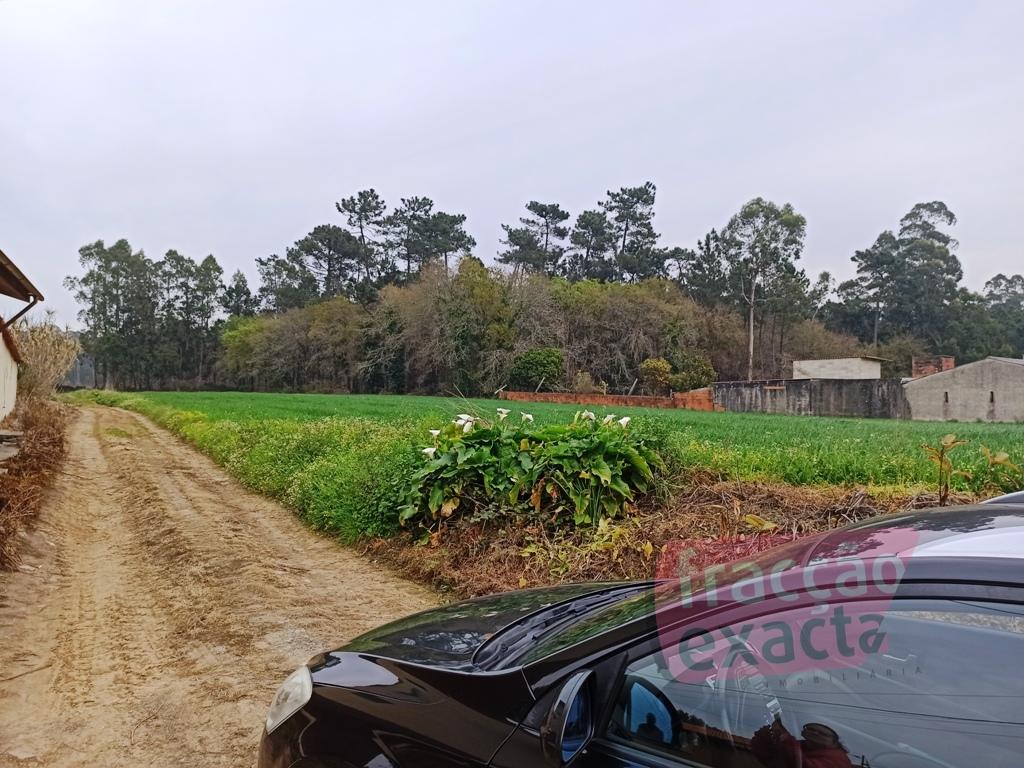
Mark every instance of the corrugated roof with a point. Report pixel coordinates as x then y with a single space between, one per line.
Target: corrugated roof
13 282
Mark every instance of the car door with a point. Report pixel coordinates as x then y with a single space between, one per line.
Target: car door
902 683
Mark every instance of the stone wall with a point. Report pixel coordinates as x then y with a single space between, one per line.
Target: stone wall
878 398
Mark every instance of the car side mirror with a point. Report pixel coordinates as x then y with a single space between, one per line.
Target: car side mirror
569 724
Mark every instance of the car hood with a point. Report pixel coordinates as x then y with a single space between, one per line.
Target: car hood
449 636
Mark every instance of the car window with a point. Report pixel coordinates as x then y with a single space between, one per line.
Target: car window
901 684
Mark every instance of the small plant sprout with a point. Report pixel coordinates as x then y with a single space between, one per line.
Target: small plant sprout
502 413
938 454
430 451
624 421
526 416
608 419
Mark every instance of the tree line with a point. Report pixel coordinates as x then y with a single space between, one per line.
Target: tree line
392 299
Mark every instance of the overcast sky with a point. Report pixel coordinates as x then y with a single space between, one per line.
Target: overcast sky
231 128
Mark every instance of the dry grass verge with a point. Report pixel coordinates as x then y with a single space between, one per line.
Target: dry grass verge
29 474
707 517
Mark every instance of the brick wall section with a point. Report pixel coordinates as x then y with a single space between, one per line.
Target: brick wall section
925 366
695 400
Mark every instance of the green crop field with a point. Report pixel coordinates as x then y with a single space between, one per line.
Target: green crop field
791 449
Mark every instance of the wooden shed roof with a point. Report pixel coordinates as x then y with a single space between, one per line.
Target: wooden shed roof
14 283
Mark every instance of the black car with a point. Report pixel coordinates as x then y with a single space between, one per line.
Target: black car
893 643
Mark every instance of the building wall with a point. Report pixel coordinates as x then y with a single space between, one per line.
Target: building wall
838 368
8 380
988 390
880 398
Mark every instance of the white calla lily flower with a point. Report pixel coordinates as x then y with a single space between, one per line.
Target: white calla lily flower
588 415
502 413
430 451
608 419
624 421
466 427
526 416
435 432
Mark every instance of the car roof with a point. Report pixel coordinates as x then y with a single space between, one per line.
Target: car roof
973 543
976 530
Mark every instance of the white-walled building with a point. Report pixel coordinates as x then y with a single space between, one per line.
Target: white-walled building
14 284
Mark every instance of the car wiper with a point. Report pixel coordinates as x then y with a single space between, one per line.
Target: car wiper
523 633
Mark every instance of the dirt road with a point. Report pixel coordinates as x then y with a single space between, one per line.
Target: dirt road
160 605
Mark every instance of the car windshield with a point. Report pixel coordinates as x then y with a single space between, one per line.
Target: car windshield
529 643
515 642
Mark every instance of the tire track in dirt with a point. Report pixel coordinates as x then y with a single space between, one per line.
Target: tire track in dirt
160 604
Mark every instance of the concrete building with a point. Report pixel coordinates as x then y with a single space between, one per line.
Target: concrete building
14 284
839 368
987 390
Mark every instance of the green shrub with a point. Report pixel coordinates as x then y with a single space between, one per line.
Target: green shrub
357 492
576 473
692 372
541 367
655 373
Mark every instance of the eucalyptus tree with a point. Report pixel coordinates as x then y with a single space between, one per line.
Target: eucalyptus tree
119 294
760 243
236 299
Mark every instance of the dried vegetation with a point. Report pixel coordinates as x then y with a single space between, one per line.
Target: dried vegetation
717 521
28 475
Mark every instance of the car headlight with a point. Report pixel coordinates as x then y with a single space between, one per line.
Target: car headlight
290 697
